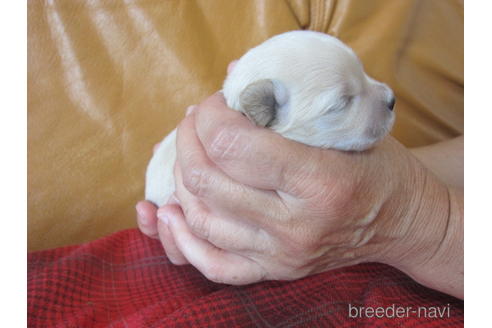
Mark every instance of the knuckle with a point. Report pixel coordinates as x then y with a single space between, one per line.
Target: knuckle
227 143
197 181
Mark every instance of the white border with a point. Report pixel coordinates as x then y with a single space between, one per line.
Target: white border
478 163
13 172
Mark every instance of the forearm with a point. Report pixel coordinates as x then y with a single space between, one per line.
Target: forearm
445 270
430 250
439 226
444 159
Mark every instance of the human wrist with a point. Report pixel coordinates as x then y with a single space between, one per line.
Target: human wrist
426 239
422 225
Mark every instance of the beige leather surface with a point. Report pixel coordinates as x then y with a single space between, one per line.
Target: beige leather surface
108 79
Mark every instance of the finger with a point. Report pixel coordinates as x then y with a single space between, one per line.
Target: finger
167 240
204 180
156 146
231 65
190 109
147 218
219 227
251 155
216 264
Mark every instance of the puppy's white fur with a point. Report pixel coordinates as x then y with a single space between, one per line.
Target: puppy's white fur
306 86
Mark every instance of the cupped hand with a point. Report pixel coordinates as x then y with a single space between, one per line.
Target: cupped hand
252 205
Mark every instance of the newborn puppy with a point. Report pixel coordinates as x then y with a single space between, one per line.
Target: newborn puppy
306 86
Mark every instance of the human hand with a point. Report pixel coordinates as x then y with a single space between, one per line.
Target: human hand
256 206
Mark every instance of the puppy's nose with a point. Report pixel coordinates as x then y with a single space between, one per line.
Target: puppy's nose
391 103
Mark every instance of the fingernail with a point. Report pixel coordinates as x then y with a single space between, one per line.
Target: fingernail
163 217
142 218
139 211
190 109
231 65
156 146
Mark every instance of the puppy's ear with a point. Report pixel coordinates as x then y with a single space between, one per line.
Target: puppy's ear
260 101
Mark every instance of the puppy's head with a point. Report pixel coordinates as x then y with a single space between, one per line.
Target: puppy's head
312 88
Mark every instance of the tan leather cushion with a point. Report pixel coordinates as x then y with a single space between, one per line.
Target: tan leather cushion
108 79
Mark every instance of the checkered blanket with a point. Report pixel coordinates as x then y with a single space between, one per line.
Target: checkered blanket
125 280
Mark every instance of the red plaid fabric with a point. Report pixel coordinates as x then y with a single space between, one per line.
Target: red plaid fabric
125 280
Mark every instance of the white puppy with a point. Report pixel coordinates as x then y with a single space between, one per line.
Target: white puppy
306 86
